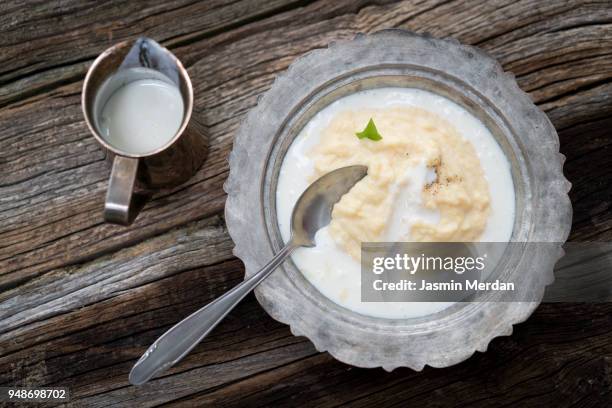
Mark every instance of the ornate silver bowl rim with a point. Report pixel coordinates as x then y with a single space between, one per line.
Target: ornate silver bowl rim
465 75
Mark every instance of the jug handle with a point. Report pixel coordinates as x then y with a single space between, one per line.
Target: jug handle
122 202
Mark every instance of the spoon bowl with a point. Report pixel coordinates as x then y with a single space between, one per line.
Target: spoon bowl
314 207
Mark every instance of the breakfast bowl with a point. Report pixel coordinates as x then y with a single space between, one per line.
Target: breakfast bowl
399 59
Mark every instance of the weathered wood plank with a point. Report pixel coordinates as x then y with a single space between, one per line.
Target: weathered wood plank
54 48
198 245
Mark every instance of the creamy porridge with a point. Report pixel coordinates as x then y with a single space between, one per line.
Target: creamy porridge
437 174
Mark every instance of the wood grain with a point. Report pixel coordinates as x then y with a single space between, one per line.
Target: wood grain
82 300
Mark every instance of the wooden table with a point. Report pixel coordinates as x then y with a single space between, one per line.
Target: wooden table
81 300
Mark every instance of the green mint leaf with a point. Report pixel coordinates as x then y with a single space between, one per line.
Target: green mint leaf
370 132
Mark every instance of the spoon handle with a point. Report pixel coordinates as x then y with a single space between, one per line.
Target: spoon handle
174 344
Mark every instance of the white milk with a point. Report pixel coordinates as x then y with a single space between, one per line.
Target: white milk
335 273
141 116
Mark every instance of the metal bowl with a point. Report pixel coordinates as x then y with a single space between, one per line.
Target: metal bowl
467 76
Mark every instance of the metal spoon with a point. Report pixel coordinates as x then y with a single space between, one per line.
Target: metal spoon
311 213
